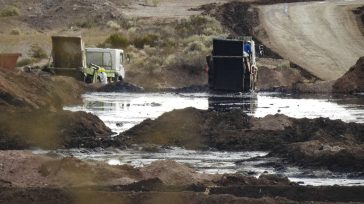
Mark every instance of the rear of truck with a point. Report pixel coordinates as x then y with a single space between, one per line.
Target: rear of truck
229 68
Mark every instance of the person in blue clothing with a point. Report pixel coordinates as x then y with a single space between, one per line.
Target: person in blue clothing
247 48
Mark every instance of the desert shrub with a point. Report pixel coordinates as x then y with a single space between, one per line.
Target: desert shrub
37 52
113 25
148 39
152 2
15 32
192 62
116 40
153 64
195 46
24 62
198 25
9 11
86 24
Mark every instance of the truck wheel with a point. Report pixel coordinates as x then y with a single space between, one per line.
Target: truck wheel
88 79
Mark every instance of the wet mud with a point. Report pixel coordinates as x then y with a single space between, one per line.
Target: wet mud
50 180
320 142
121 86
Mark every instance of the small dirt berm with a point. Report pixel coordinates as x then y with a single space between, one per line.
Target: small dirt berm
232 65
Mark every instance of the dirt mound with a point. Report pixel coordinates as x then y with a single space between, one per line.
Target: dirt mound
235 131
316 87
283 78
38 91
121 87
22 129
173 173
48 14
353 80
24 169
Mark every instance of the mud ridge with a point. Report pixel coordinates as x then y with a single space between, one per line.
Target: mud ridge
319 142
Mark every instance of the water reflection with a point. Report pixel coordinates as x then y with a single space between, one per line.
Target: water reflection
247 103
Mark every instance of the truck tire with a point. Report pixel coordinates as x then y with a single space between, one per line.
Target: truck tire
88 79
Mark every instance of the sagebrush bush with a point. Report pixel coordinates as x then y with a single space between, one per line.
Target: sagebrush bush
198 25
192 62
24 62
9 11
15 32
152 2
113 25
37 52
139 41
116 40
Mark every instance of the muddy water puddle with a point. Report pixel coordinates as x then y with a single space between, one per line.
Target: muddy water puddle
211 162
121 111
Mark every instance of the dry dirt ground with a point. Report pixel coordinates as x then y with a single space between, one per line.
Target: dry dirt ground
168 8
322 37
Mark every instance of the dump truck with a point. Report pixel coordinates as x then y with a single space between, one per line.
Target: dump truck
230 67
70 57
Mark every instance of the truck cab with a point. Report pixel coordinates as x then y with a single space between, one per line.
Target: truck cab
110 59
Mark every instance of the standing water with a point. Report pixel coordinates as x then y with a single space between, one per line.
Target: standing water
121 111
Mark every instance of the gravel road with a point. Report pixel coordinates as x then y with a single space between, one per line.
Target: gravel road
322 37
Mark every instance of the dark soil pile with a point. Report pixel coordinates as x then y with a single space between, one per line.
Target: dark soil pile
22 129
121 86
312 142
353 80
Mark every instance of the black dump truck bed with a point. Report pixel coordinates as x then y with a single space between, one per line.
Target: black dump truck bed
228 69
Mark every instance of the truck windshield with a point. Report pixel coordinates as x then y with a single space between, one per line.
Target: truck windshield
121 58
102 59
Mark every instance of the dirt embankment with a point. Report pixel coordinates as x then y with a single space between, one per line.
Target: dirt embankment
318 142
38 91
240 18
42 179
32 115
353 80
